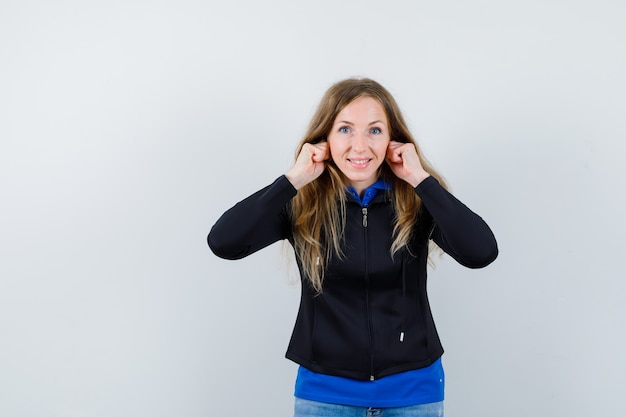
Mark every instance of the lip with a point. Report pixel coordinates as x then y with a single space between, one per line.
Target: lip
361 164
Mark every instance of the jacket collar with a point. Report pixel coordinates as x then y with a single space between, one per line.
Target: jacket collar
370 192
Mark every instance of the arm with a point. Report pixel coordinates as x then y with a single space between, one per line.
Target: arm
262 219
457 230
253 223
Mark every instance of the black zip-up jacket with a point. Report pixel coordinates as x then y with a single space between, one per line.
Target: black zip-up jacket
373 318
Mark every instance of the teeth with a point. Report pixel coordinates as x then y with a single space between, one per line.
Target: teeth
359 161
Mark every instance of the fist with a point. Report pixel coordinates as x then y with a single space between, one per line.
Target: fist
405 162
309 165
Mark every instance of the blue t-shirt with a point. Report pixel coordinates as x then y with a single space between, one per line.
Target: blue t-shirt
369 193
419 386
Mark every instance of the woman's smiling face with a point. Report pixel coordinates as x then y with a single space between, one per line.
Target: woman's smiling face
358 141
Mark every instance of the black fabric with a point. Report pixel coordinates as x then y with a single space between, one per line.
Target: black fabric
353 329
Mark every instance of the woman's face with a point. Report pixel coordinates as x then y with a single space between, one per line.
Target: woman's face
358 141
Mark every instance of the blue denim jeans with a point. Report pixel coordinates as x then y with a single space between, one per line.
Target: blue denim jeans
306 408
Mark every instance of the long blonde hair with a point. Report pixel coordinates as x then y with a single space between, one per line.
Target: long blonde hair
319 209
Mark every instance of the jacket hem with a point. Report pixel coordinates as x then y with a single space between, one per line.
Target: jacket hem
359 375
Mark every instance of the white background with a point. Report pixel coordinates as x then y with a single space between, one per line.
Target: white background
128 127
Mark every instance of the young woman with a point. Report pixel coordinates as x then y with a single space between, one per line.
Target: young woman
360 206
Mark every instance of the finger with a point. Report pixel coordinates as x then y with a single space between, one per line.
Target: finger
309 151
394 155
318 155
321 152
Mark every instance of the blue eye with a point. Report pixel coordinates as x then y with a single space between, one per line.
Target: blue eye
344 129
376 131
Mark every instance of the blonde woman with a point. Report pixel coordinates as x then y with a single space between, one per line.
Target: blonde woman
361 207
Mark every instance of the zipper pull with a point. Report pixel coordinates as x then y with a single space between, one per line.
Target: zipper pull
364 211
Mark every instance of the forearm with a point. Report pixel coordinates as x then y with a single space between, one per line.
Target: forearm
253 223
458 230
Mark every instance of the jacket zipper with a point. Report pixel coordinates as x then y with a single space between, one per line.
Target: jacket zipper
367 294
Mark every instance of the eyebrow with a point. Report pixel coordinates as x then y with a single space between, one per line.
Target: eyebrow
352 124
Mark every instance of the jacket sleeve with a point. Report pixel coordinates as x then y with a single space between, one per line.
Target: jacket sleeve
253 223
457 230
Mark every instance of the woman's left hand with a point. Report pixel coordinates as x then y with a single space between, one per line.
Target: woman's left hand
405 163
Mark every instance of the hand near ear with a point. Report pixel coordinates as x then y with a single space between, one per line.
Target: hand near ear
405 162
309 164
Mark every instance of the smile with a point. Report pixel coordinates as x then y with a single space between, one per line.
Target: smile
359 162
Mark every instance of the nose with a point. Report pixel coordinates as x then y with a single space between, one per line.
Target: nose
359 142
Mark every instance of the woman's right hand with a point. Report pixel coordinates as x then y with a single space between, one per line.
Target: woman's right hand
309 165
